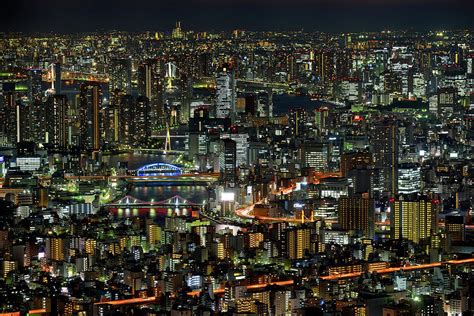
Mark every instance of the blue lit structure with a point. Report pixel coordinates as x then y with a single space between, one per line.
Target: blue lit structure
159 169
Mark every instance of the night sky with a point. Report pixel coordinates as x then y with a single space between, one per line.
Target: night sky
311 15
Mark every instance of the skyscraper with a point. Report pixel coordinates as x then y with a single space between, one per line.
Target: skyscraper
314 155
357 213
298 241
385 148
90 116
56 116
38 122
55 248
120 72
228 159
57 77
412 217
297 120
125 120
409 178
225 93
151 86
141 120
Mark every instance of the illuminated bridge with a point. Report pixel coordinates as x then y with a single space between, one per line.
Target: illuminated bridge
174 206
159 169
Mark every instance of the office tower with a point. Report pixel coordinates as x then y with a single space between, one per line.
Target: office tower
8 113
57 77
447 100
321 116
141 120
343 64
56 116
413 217
38 121
225 93
204 68
357 213
55 248
177 31
151 86
241 141
227 160
125 120
385 148
325 69
264 104
90 116
297 121
455 227
409 178
111 123
120 72
15 119
314 155
298 242
7 267
353 160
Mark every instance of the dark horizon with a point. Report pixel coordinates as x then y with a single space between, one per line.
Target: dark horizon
211 15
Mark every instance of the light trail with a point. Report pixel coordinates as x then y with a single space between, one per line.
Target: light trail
396 269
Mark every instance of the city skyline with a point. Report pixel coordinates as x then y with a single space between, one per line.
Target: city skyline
323 15
190 164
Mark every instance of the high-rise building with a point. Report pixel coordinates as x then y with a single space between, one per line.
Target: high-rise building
151 87
314 155
297 121
57 77
10 118
228 160
413 217
90 116
225 93
353 160
385 148
120 72
141 120
125 120
298 241
35 92
409 178
455 227
56 116
357 213
55 248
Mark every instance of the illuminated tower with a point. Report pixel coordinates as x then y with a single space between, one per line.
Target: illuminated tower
90 116
413 218
125 120
150 86
296 120
225 93
385 149
357 213
57 77
298 242
228 160
141 120
55 248
120 72
56 116
35 92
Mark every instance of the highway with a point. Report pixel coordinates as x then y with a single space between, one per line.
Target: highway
257 286
151 299
397 269
247 211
